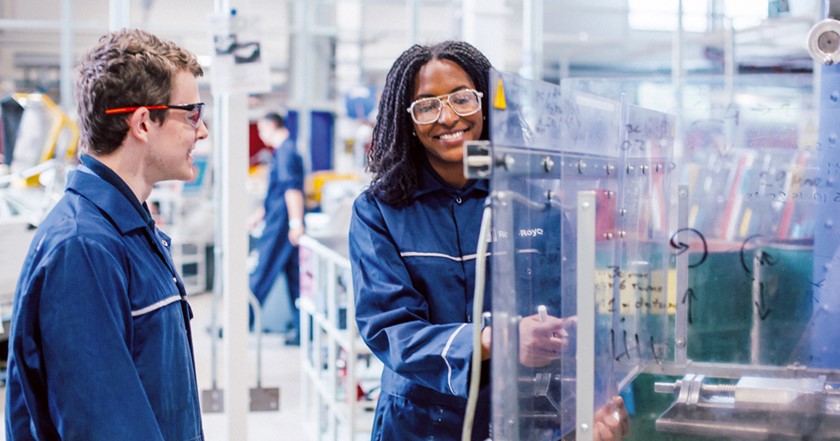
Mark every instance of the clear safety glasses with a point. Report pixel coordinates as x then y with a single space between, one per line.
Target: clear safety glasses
463 102
194 112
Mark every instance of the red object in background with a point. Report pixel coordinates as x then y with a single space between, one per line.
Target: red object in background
605 213
306 264
255 145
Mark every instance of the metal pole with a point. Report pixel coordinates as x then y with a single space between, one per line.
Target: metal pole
302 72
729 67
826 319
67 58
676 48
532 37
118 14
683 297
412 9
485 26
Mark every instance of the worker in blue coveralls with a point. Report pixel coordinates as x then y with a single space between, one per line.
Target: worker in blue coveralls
100 345
282 212
413 241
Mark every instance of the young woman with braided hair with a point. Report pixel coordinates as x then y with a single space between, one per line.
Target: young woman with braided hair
413 239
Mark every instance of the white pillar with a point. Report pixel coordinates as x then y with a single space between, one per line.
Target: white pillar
730 67
485 28
349 51
230 135
67 60
301 77
532 39
232 138
412 9
677 46
118 14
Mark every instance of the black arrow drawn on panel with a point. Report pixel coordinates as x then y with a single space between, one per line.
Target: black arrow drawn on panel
762 312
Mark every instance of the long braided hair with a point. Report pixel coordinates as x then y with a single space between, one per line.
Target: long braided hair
396 156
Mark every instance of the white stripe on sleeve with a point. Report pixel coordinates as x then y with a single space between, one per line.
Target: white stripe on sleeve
445 350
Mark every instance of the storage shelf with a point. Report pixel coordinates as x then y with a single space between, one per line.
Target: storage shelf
332 354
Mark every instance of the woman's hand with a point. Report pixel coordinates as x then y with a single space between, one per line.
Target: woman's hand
611 422
543 339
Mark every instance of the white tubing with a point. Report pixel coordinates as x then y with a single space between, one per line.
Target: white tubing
478 306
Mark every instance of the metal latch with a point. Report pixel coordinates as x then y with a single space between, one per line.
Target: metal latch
477 159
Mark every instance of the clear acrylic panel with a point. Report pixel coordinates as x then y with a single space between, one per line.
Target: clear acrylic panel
556 145
703 281
710 299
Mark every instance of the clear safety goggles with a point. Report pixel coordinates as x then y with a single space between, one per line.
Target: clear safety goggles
194 112
463 102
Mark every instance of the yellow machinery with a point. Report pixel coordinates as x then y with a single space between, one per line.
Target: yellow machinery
48 147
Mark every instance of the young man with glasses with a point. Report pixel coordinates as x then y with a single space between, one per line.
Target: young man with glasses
101 345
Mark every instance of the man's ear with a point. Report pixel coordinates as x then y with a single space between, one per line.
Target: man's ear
139 124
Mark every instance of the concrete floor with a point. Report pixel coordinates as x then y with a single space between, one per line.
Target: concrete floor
280 369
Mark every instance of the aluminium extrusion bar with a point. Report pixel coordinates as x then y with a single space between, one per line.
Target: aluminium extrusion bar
681 318
585 387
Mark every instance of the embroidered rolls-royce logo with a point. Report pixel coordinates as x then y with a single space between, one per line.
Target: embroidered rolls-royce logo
495 235
530 232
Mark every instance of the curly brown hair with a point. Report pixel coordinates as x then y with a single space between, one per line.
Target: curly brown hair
126 68
395 156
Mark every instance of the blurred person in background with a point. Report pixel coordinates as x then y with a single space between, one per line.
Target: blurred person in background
277 268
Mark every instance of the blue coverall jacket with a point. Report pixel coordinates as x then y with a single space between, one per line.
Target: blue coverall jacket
276 254
414 279
100 344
